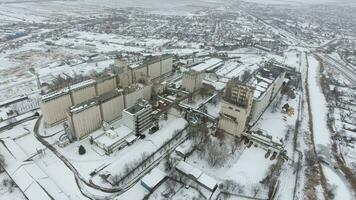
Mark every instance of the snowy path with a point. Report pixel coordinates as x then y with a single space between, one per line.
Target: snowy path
318 106
341 190
321 132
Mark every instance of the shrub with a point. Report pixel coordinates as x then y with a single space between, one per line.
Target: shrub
81 150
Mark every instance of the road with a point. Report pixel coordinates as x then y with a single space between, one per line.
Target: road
125 184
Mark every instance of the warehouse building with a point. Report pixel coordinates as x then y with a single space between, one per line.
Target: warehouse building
207 65
139 116
111 140
197 175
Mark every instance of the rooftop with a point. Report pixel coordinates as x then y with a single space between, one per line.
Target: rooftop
140 105
263 79
209 64
84 105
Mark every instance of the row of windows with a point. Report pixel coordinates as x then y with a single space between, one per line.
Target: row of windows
231 108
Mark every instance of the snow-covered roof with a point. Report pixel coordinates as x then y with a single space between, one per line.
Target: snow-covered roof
131 138
82 84
52 95
83 106
112 137
64 91
207 181
208 65
184 148
199 176
27 175
153 178
189 170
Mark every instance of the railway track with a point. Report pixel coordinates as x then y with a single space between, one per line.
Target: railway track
346 70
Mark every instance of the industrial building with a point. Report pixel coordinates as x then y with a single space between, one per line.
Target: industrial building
54 106
136 91
88 116
267 83
139 116
111 104
84 118
207 65
235 107
111 140
105 84
192 80
87 104
152 68
82 91
244 103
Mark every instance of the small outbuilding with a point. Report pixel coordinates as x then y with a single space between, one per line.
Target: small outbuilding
153 179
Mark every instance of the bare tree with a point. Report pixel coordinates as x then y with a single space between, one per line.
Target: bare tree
10 184
232 186
234 144
171 184
168 164
256 189
310 158
2 163
245 75
199 134
215 153
116 179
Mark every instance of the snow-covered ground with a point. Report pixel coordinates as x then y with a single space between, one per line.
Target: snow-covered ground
322 133
318 106
247 166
